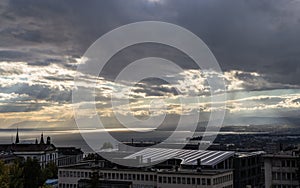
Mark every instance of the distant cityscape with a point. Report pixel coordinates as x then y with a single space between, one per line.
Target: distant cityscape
233 161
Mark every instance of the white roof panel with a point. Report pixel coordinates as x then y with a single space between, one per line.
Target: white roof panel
189 157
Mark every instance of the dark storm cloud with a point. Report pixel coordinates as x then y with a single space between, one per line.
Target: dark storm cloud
258 36
254 36
20 108
40 92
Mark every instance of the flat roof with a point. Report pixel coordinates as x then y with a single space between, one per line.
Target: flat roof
188 157
249 154
87 166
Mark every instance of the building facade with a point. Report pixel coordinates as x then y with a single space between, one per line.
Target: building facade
69 156
139 178
281 170
248 169
43 152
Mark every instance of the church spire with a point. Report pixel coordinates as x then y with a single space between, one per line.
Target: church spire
42 139
17 137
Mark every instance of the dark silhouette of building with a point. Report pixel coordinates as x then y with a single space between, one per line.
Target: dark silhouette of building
17 137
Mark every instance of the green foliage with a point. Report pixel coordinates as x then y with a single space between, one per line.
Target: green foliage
28 174
50 171
4 177
16 175
32 174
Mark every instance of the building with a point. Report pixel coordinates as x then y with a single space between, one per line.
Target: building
281 169
189 168
248 169
69 155
43 152
86 183
79 175
7 157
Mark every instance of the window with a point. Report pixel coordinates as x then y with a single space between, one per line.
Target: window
164 179
159 179
208 182
142 177
193 181
174 180
188 180
169 180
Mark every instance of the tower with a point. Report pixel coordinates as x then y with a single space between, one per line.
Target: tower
48 140
17 137
42 139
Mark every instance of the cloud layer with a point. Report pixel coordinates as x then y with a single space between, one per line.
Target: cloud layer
42 42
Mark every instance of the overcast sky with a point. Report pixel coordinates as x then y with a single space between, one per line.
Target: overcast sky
256 43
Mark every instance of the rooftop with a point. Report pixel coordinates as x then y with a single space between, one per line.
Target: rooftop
69 150
26 147
88 166
188 157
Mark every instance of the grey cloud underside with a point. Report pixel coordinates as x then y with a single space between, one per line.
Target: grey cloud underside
256 36
39 92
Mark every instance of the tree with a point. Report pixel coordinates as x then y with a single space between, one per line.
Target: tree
50 171
4 177
16 179
32 174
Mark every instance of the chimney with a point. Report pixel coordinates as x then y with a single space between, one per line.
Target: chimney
199 165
